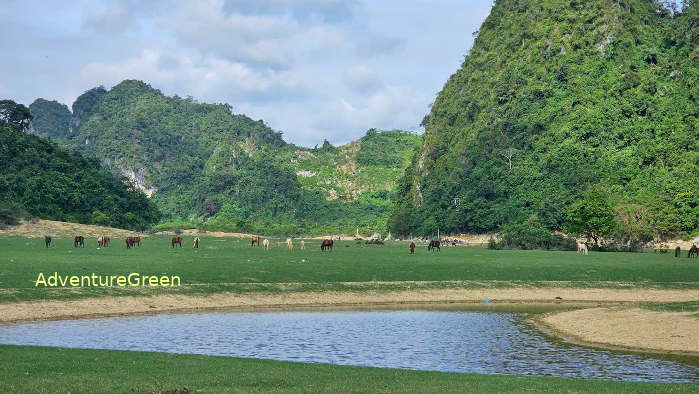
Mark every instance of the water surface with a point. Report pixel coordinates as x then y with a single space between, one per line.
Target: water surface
450 341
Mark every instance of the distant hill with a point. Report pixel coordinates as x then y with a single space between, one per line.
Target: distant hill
51 182
205 166
564 113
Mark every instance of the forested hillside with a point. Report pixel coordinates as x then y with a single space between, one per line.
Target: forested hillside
565 115
47 181
205 166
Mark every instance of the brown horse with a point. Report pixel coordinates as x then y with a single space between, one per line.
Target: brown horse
678 251
693 251
326 244
79 242
47 241
130 241
136 241
255 240
434 245
412 248
176 241
107 242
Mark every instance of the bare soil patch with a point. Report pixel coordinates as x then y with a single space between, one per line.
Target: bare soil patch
627 328
90 307
42 228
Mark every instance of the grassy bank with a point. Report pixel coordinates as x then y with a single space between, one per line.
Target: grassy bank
231 265
41 369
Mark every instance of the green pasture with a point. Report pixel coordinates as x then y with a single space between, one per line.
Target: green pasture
28 369
229 264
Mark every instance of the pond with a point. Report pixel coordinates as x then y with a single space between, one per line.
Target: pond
434 340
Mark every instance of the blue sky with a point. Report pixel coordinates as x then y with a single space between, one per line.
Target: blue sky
312 69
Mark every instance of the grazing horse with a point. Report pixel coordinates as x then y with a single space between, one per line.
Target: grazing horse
101 242
693 251
79 242
129 242
412 248
303 245
255 240
176 241
196 243
47 241
326 244
678 251
107 242
265 244
289 244
434 245
136 241
582 248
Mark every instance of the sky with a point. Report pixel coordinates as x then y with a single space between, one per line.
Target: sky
312 69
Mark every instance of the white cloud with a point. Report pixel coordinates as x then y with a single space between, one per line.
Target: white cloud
313 69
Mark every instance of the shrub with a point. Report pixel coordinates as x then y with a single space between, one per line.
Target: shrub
526 236
11 213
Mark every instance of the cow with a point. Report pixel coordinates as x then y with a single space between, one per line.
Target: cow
79 242
289 244
693 252
412 248
303 245
265 244
196 243
47 241
176 241
326 244
678 251
582 248
255 240
434 245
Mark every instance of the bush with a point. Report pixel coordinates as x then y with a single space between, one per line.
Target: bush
11 213
527 237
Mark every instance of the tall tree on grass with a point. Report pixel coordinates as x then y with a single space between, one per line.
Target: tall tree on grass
591 217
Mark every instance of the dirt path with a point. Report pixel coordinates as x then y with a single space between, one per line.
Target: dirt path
42 228
39 310
625 327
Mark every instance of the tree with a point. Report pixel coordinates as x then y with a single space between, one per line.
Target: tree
592 217
15 114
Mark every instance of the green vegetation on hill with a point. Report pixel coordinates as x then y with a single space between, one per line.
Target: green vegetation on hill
565 113
207 167
50 119
50 182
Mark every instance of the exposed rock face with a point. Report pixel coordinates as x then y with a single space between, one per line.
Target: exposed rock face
138 177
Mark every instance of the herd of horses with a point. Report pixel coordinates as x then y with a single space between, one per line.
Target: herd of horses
325 245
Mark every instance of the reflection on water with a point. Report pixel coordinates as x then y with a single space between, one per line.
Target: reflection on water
475 342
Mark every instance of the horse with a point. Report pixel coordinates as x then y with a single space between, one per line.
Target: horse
693 252
303 245
289 244
47 241
582 248
107 242
265 244
176 241
129 242
434 245
196 243
326 244
412 248
678 251
79 242
101 242
255 240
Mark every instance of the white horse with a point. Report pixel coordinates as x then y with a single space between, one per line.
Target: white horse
196 243
289 244
265 244
303 245
582 248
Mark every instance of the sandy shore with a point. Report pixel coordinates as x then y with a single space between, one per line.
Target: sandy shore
627 328
106 306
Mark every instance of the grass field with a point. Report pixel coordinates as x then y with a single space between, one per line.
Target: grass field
228 264
39 369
